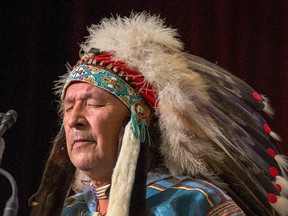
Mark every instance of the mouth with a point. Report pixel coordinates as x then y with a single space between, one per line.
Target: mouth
82 142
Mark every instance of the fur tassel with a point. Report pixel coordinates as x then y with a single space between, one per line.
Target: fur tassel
283 183
281 206
282 161
124 172
275 136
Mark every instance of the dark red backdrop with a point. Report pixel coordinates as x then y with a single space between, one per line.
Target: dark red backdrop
249 38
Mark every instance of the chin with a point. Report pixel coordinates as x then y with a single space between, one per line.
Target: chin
83 163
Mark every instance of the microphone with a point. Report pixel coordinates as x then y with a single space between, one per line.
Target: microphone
7 120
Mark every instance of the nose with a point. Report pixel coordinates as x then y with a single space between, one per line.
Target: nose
76 118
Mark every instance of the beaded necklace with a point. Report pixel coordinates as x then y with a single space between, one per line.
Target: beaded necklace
100 193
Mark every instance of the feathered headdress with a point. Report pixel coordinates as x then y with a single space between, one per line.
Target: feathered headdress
208 118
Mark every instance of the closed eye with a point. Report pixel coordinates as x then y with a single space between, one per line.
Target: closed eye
96 105
68 109
68 104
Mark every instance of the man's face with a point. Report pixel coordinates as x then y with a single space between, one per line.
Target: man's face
93 118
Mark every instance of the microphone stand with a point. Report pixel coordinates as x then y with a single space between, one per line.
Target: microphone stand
11 207
6 121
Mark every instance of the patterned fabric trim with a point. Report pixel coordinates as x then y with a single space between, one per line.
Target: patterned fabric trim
157 187
227 208
176 186
216 190
187 196
75 206
71 201
206 194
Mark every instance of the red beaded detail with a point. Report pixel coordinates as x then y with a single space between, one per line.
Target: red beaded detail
256 96
273 171
278 187
267 128
272 198
271 152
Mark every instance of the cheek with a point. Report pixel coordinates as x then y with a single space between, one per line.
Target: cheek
113 117
107 127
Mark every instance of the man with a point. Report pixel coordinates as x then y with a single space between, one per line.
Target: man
92 135
139 112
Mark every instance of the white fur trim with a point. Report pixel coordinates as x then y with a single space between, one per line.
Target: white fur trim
281 206
124 175
284 185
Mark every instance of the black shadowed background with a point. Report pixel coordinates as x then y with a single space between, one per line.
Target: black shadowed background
249 38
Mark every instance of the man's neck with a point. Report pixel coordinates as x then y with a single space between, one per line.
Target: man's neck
98 184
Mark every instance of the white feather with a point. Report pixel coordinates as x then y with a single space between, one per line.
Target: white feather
267 108
275 136
282 161
124 175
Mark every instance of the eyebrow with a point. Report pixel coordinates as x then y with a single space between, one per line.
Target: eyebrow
87 95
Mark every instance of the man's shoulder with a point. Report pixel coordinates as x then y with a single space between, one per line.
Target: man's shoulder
188 196
189 186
